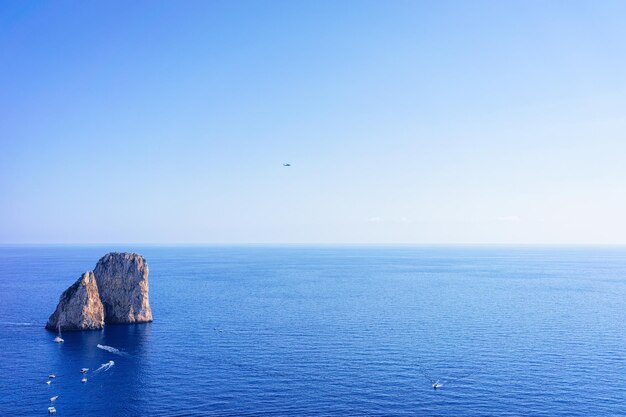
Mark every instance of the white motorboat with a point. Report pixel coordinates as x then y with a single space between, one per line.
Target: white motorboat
59 339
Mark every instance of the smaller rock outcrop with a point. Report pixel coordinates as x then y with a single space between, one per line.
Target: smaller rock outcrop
79 307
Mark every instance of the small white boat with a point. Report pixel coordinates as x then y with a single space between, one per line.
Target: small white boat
59 339
48 382
53 399
52 410
437 385
83 380
84 370
52 376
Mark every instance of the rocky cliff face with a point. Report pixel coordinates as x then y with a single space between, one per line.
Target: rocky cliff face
123 282
79 307
115 292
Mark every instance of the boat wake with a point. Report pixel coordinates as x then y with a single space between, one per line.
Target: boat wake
437 383
112 350
105 366
11 323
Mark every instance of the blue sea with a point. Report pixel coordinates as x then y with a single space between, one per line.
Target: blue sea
327 331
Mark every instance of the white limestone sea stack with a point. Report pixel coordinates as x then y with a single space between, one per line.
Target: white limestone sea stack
79 307
115 292
123 283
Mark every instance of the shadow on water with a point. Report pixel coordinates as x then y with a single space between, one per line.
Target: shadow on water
112 390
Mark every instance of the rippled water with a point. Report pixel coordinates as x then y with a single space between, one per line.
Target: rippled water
327 331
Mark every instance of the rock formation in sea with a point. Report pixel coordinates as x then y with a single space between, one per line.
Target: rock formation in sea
115 292
79 307
123 282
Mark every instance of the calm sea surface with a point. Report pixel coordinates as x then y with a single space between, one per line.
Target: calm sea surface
327 331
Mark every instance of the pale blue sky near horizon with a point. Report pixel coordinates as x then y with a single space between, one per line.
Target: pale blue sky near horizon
404 121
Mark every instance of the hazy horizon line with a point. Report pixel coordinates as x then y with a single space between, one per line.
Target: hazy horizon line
207 244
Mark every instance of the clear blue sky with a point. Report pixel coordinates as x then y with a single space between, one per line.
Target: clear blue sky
404 121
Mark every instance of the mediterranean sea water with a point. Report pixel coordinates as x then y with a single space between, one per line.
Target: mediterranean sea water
328 331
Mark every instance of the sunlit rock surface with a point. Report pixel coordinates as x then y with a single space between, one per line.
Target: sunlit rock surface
115 292
123 282
79 307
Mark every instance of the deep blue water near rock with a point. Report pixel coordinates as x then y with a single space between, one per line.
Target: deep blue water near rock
328 331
